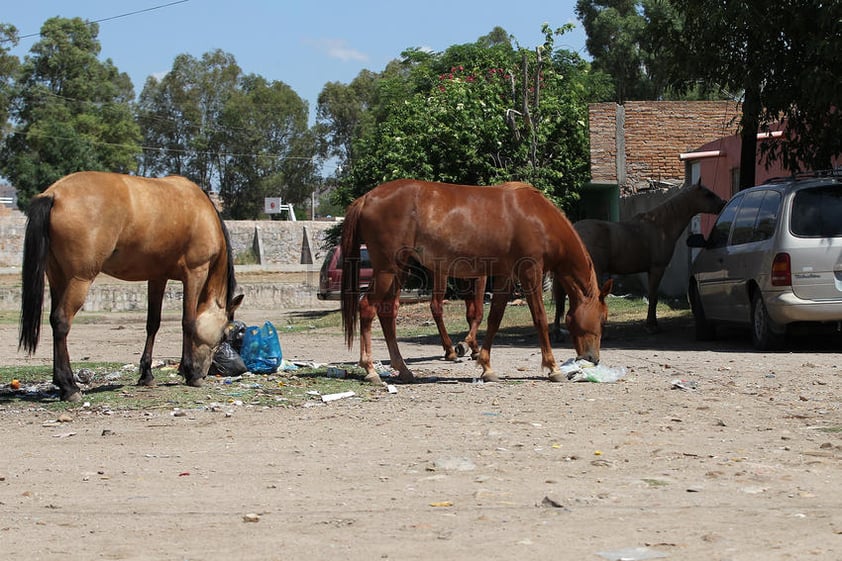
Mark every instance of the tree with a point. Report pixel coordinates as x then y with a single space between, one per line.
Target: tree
781 58
479 113
8 68
241 135
71 111
179 116
269 149
342 113
614 29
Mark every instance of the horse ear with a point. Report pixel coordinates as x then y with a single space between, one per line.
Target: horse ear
606 289
235 303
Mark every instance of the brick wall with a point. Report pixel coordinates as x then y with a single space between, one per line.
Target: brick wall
651 135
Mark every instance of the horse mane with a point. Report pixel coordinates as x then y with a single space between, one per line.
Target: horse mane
668 207
231 281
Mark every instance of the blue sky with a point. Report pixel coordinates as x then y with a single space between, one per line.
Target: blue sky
303 44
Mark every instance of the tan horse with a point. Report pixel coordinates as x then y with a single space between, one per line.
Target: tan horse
642 244
135 229
460 231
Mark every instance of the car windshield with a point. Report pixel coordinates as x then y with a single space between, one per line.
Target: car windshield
817 212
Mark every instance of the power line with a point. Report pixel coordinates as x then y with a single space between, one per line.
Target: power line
127 14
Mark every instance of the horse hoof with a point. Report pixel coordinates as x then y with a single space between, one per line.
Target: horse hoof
195 382
451 356
652 329
373 378
462 349
474 356
489 376
72 397
558 377
149 382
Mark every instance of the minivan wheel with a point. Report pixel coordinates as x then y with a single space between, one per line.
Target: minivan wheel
762 335
705 330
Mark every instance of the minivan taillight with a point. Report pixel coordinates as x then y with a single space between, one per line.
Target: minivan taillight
781 270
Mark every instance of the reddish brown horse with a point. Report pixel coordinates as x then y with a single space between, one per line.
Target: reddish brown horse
642 244
512 232
131 228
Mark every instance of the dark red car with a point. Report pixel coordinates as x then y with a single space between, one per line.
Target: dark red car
330 275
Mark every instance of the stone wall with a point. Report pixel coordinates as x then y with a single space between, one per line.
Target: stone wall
283 246
279 244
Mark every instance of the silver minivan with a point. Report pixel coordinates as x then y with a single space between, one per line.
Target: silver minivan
772 261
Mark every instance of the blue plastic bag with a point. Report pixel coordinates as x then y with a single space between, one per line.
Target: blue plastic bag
261 350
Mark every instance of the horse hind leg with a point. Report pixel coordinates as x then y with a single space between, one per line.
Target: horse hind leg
155 299
66 298
495 316
559 296
436 308
473 315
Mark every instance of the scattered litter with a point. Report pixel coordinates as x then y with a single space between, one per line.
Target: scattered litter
580 370
441 504
632 554
391 388
83 375
308 364
251 517
334 372
552 503
686 385
64 435
335 396
453 464
287 366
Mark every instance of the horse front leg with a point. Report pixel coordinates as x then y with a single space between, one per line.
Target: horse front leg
154 300
495 315
188 366
66 300
532 282
654 279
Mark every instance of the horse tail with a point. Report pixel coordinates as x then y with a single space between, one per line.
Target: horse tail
350 247
36 248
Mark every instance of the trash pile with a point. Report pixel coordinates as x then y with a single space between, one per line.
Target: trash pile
248 349
580 370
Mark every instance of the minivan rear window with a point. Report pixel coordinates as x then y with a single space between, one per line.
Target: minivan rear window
817 212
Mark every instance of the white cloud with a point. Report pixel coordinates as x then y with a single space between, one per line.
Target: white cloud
339 49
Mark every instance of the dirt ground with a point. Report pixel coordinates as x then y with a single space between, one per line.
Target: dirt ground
745 463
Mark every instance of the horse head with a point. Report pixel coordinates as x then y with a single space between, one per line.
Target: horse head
585 320
211 322
706 200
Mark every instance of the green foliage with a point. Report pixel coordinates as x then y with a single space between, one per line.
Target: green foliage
8 68
481 113
780 57
240 133
72 112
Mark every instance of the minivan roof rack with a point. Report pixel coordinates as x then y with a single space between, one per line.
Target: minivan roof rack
833 172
